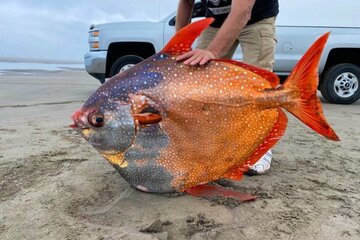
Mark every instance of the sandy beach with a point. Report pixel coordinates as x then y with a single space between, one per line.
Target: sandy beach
54 185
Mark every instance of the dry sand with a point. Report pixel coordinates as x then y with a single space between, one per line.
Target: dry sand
53 185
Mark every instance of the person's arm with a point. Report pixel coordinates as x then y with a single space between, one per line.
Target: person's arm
237 19
184 13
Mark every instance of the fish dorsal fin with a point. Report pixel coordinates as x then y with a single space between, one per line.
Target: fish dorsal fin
183 39
271 77
277 131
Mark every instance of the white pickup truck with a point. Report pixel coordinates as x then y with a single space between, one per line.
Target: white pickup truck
114 47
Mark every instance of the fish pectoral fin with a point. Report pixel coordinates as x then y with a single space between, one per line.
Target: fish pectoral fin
271 77
183 39
147 118
145 111
216 191
271 139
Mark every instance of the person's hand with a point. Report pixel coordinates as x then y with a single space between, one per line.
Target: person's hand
196 56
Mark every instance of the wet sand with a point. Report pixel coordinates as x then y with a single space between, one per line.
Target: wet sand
53 185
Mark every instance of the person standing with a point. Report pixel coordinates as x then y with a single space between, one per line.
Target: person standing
250 23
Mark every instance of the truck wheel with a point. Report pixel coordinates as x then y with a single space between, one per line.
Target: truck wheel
340 84
123 63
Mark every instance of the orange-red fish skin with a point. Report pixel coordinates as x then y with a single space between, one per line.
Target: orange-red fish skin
207 122
213 121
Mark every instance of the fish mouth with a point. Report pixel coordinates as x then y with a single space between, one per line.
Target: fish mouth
84 131
79 121
74 126
78 126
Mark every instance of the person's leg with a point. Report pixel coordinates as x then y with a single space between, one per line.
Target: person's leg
208 35
258 44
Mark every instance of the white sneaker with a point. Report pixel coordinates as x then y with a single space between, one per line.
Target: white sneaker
261 166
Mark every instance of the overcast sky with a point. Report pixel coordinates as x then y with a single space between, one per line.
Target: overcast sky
58 29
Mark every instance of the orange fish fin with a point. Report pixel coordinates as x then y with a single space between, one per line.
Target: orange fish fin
271 77
304 81
147 118
277 131
216 191
183 39
235 174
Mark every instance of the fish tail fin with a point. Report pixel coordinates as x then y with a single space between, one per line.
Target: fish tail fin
304 80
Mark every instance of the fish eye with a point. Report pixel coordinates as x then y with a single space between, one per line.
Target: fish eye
96 119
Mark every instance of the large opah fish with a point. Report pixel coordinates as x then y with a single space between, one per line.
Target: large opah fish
166 126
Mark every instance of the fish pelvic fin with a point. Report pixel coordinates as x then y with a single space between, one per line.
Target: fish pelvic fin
271 139
303 82
183 39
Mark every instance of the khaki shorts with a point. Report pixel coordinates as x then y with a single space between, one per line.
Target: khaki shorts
257 43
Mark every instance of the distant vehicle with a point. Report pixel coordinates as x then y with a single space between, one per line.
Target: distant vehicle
115 47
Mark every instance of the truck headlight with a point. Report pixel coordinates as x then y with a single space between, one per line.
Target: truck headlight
94 45
94 39
94 33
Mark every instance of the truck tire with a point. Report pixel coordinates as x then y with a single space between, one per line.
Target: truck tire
340 84
123 63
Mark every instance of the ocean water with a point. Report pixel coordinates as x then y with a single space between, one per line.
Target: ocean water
26 68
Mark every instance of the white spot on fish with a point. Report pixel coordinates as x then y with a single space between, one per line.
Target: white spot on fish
142 188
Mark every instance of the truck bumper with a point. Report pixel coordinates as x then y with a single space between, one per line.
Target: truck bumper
95 64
